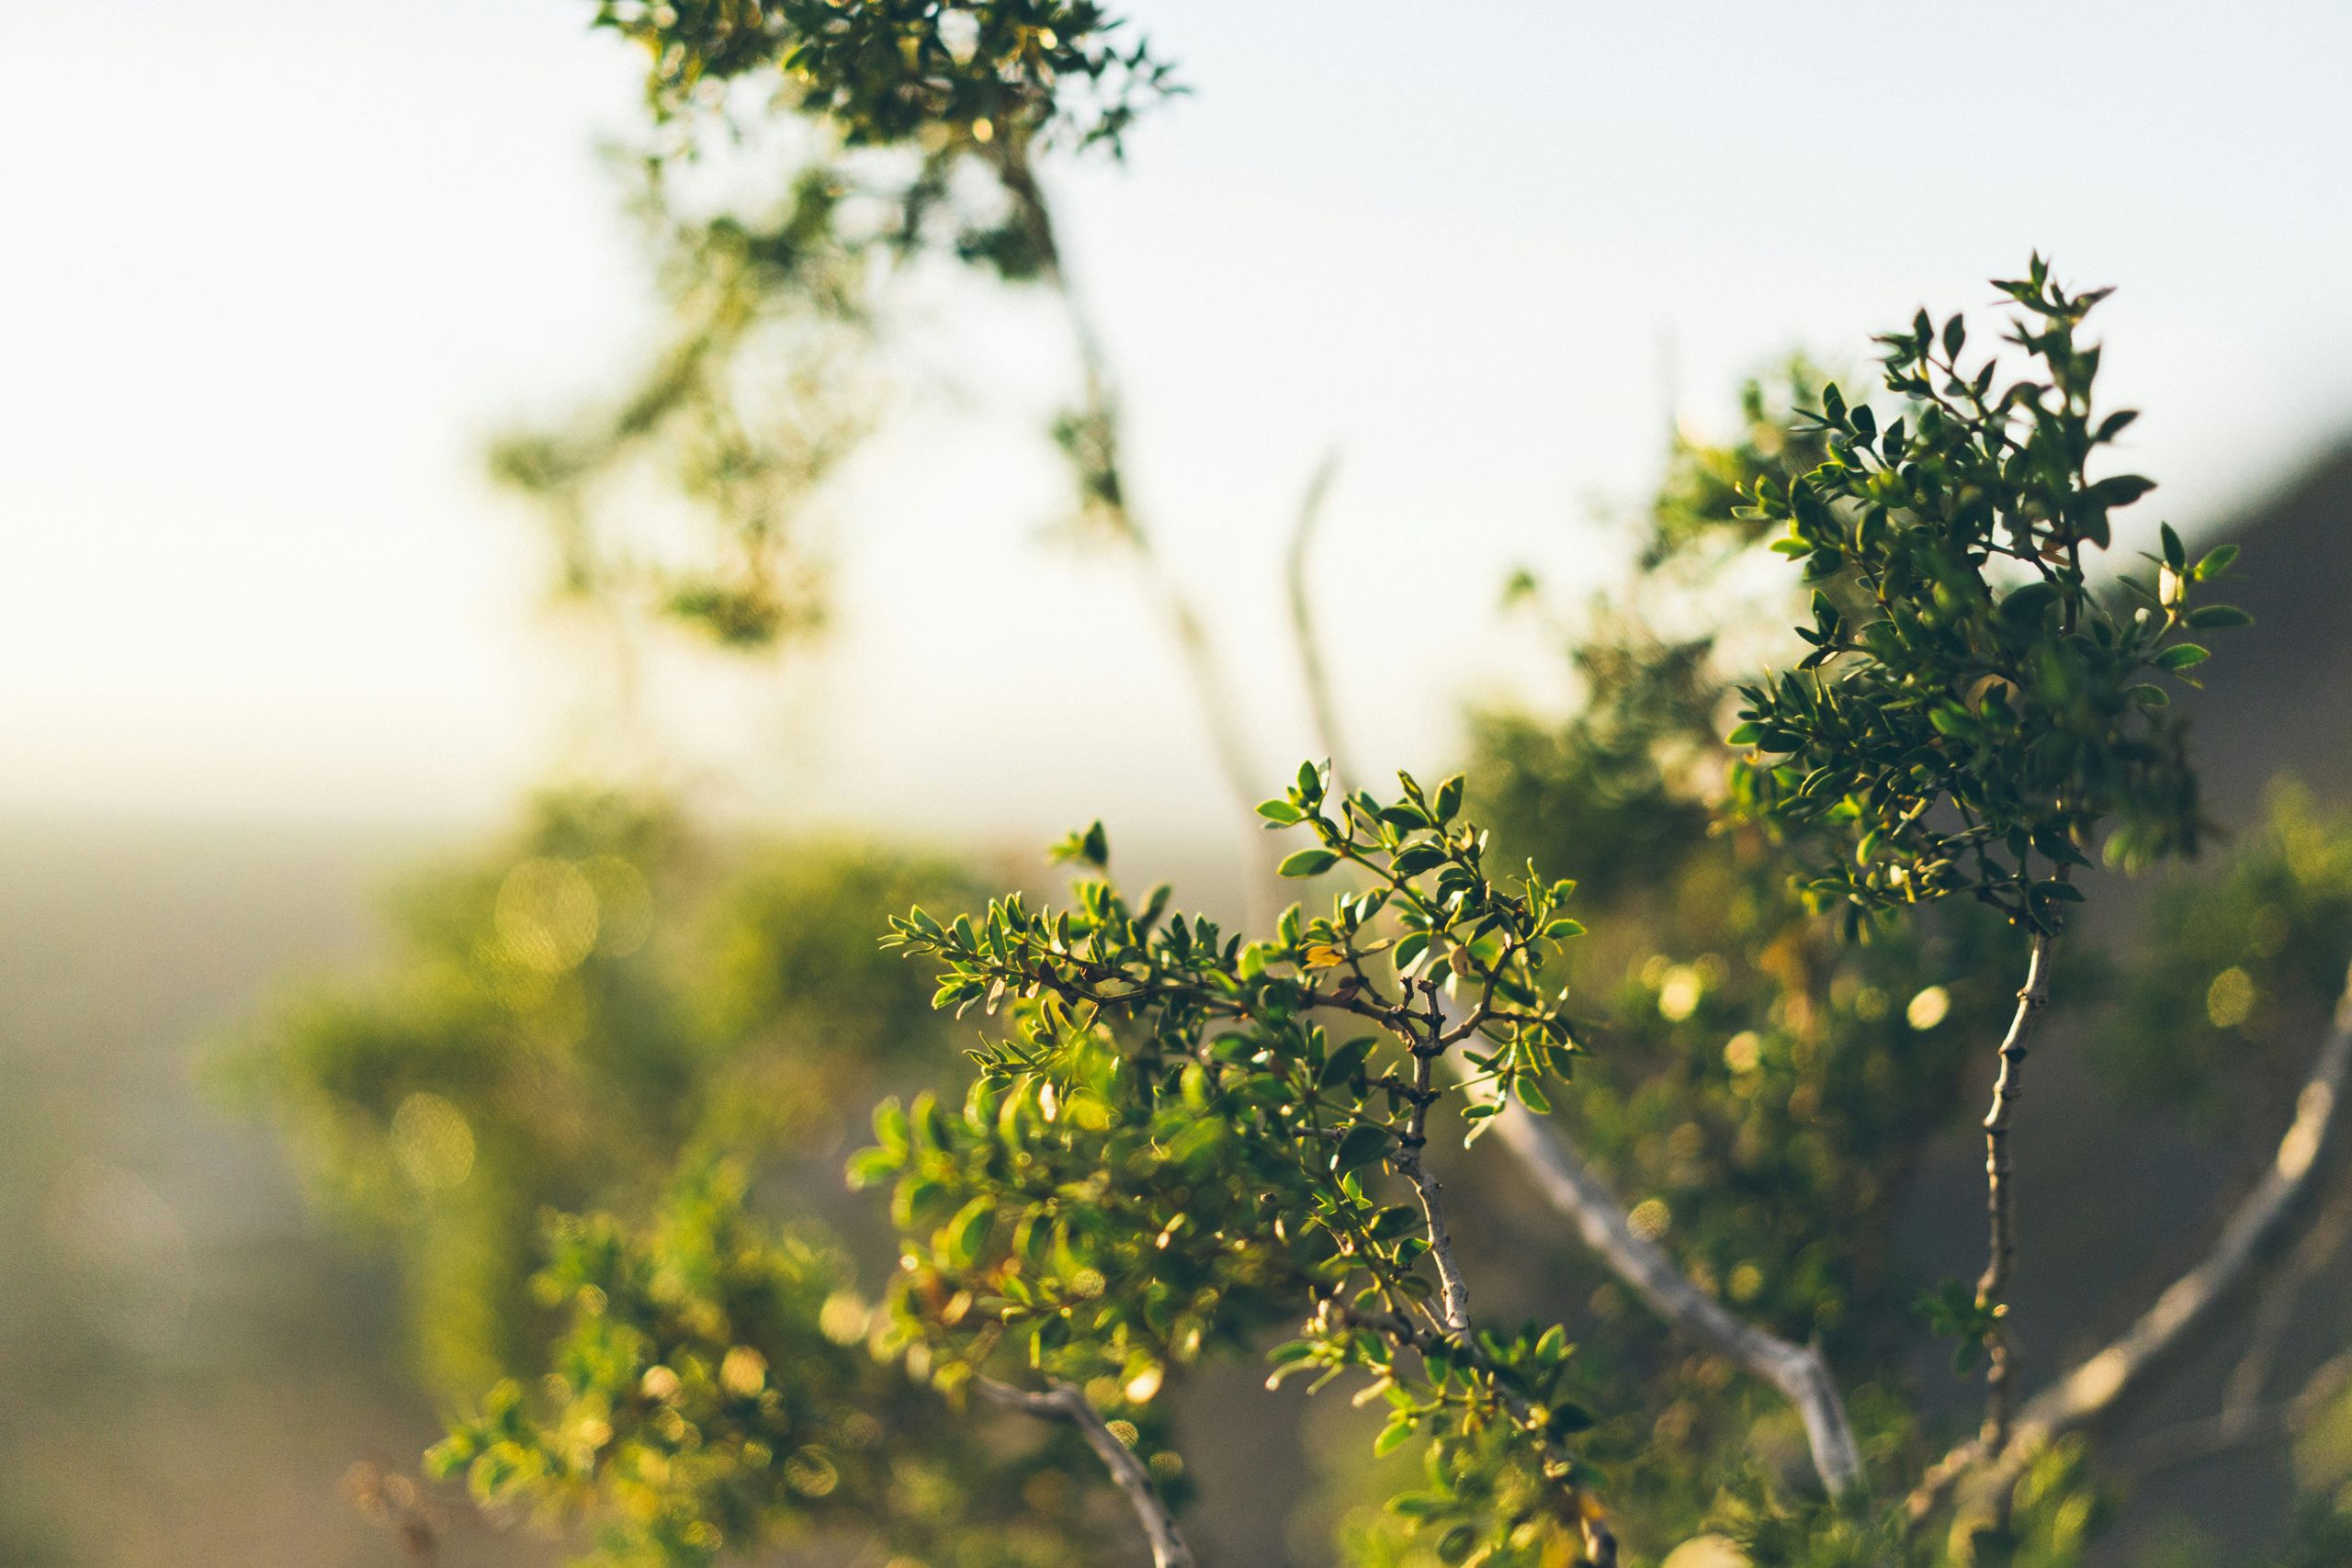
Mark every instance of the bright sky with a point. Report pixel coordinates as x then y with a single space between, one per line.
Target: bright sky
275 270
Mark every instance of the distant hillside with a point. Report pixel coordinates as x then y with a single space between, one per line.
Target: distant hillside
2280 694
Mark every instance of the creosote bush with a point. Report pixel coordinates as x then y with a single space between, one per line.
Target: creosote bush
1176 1142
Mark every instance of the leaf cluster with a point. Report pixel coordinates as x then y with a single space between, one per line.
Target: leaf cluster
714 1392
1971 710
893 71
1171 1127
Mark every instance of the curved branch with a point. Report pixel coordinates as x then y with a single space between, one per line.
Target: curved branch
2239 1426
1065 1403
1798 1371
2263 1226
1321 705
1213 691
2274 1314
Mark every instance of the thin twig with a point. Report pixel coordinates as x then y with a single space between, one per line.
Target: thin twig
1992 1286
1213 691
2274 1314
1454 1290
2258 1233
1798 1371
1065 1403
1321 706
2193 1442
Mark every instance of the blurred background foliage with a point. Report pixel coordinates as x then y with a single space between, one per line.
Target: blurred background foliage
567 1017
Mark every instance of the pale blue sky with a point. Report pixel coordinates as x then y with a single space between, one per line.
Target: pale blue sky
272 272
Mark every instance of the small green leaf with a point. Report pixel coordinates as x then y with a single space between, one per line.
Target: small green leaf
2218 559
2122 490
969 1232
1307 862
1449 798
2181 656
1363 1143
2176 553
2212 617
1343 1063
1280 811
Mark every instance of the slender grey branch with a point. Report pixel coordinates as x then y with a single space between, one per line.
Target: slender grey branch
1065 1403
1798 1371
2274 1314
2192 1442
2260 1229
1212 689
1992 1286
1321 705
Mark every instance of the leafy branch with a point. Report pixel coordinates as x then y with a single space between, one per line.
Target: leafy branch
1166 1139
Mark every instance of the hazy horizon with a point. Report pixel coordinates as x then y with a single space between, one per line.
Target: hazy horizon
252 571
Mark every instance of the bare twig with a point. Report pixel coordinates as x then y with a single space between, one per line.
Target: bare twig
1992 1286
1798 1371
2192 1442
1320 704
1065 1403
1213 690
2274 1314
2260 1229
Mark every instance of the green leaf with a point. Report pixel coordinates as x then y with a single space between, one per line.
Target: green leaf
1449 798
1280 811
1363 1143
870 1168
2121 490
2213 617
1567 1420
1344 1063
2176 553
2218 559
1307 862
969 1232
1417 859
2181 656
2031 602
